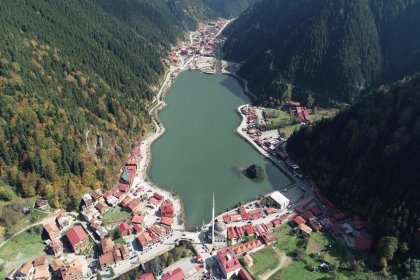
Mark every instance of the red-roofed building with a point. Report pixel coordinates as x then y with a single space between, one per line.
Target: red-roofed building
126 201
52 230
158 196
228 262
176 274
244 275
137 219
363 241
309 216
231 233
137 228
128 174
226 218
268 237
106 260
247 247
153 201
123 187
56 247
134 205
167 209
249 229
299 220
305 229
316 210
125 228
167 221
245 216
146 276
144 239
78 238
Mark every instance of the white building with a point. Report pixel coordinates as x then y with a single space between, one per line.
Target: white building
281 201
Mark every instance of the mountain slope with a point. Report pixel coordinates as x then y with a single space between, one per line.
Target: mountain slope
367 158
335 48
229 8
75 79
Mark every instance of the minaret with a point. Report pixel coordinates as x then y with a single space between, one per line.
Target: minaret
212 227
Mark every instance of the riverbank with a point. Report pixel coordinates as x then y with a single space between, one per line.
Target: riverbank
242 133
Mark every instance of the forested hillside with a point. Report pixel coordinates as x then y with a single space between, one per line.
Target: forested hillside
367 160
229 8
336 48
75 79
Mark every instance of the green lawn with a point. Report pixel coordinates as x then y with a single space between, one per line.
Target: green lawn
265 260
115 215
27 244
287 241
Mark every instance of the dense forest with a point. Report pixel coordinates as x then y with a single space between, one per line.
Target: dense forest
367 159
340 49
75 79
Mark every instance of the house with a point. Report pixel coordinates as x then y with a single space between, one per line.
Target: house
176 274
42 273
247 247
158 196
244 275
167 209
89 214
134 205
87 200
299 220
146 276
73 270
112 201
57 265
62 220
120 252
102 207
96 195
305 229
144 240
247 260
25 272
249 230
123 188
128 174
106 260
40 261
137 228
228 262
268 237
153 201
125 228
107 244
137 219
126 201
52 230
78 238
101 232
56 247
363 241
42 204
166 221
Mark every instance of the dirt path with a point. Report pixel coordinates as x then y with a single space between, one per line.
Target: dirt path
284 261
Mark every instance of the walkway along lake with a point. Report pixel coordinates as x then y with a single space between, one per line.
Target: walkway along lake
200 154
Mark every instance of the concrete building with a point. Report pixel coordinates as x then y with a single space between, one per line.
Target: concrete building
228 262
78 238
281 201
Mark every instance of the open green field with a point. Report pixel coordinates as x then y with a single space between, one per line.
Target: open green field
26 245
115 215
264 261
293 245
287 124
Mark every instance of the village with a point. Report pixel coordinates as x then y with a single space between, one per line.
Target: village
123 228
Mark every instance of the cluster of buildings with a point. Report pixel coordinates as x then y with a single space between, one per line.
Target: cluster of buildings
298 111
200 45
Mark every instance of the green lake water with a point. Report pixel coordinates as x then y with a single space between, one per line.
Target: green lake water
200 154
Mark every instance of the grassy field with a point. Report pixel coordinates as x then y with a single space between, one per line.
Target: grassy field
287 241
26 245
264 260
115 215
287 124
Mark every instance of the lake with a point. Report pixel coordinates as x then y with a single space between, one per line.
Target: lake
200 154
